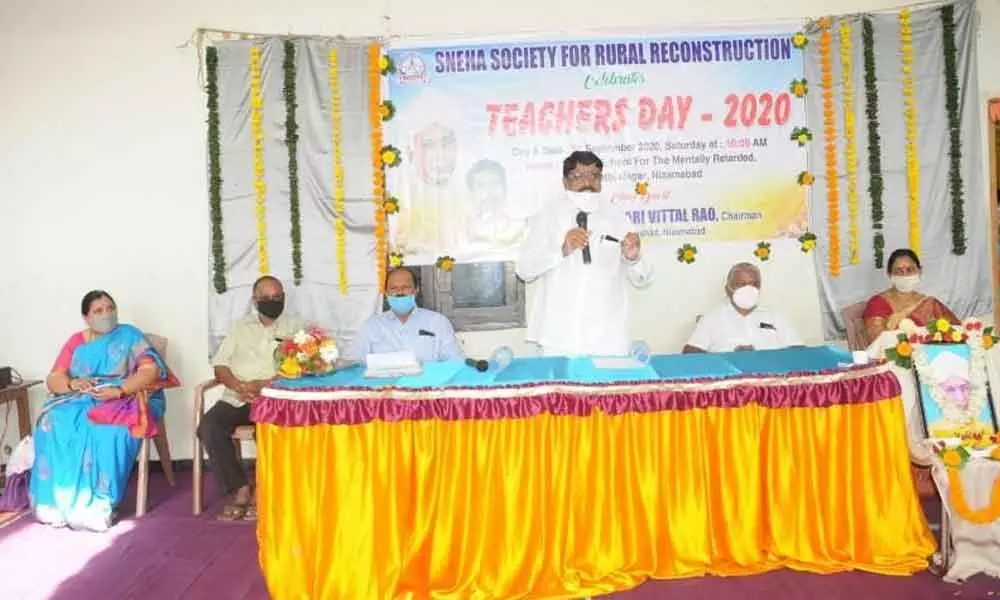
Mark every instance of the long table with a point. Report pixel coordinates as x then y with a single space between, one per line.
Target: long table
553 478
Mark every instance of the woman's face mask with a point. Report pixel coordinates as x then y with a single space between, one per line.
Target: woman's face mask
905 283
103 323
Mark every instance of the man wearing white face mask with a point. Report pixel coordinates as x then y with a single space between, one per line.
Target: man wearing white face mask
582 253
741 324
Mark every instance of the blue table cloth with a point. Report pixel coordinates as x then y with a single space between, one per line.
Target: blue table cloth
673 367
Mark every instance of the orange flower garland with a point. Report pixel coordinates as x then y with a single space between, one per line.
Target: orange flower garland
378 169
339 208
956 494
830 137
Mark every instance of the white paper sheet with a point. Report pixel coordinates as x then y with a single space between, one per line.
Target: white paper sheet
391 364
616 363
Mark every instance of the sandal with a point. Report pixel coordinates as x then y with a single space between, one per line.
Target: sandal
251 512
233 511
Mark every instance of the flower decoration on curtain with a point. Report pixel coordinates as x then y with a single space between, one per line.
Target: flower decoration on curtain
337 145
952 106
830 149
910 122
850 142
807 242
806 178
799 88
396 260
387 110
801 136
642 188
799 40
375 71
763 251
391 205
445 263
875 183
391 156
292 143
257 135
215 169
687 254
386 66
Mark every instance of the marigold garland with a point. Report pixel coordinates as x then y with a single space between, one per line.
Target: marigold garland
292 143
337 136
956 494
257 135
951 96
875 183
910 122
375 68
830 139
850 143
215 170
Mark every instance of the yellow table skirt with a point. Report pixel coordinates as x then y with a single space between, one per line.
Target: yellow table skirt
566 506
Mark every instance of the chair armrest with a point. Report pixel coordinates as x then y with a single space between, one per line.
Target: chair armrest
199 399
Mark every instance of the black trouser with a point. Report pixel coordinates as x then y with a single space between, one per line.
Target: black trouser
215 432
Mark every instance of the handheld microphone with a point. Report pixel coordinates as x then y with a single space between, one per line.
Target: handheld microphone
480 365
581 222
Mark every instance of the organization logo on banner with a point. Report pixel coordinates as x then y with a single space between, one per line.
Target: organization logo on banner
412 69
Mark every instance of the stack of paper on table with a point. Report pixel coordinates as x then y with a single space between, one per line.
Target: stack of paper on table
391 364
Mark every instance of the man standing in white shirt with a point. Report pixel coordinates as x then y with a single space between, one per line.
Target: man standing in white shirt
582 252
741 324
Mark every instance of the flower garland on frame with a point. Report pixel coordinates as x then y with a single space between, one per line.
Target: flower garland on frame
850 143
375 68
875 182
257 136
954 458
830 136
292 143
337 138
910 121
951 96
215 169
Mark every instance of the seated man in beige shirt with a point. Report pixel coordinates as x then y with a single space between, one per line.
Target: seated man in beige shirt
243 364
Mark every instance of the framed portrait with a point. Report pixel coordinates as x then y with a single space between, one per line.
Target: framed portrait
954 390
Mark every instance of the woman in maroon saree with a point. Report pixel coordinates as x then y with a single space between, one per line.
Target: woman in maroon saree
886 310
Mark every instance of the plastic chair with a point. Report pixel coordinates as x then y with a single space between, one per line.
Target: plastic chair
162 446
243 433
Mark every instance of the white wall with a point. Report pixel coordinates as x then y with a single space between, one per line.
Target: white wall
102 163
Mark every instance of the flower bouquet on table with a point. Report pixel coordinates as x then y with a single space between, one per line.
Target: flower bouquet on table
309 352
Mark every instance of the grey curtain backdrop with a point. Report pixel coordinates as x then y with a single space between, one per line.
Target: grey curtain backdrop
961 282
318 298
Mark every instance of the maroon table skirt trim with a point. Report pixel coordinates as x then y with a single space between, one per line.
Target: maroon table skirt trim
362 406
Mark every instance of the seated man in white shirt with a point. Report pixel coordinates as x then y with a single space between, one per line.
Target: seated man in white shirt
405 326
741 324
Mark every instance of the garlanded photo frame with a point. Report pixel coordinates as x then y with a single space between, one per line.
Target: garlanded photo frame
955 396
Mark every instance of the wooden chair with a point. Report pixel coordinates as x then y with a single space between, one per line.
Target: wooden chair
162 446
244 433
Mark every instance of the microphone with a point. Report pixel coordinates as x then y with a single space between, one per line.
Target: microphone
480 365
581 222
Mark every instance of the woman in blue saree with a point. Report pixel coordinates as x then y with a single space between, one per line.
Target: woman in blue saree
107 394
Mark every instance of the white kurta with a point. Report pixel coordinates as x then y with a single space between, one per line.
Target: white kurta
578 309
723 329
